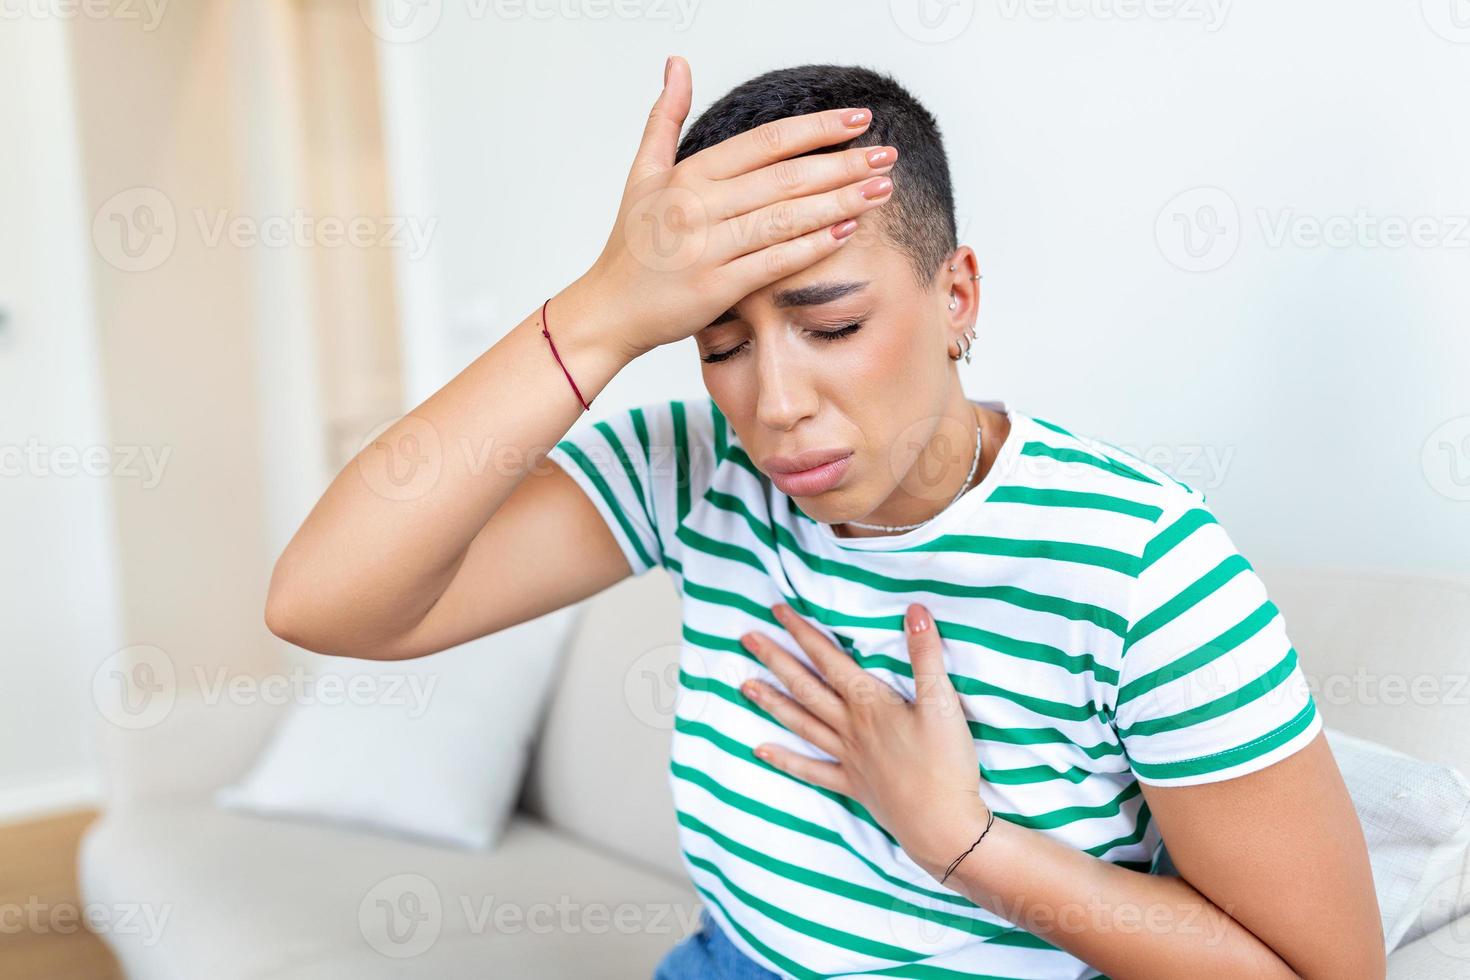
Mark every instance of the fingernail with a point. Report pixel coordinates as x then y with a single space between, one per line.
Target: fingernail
762 752
918 619
879 157
667 62
845 228
748 642
856 117
877 187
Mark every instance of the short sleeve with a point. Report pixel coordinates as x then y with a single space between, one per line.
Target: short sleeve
643 468
1209 686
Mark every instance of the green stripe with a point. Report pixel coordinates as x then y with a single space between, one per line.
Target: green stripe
1206 586
1231 757
634 480
1047 820
1040 736
975 544
780 818
721 428
1020 649
590 469
963 684
1009 777
1107 463
777 538
1222 705
1208 653
640 429
1164 542
681 459
1052 426
746 753
1074 498
841 887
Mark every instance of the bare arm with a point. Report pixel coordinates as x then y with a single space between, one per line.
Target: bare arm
451 524
1274 879
1274 882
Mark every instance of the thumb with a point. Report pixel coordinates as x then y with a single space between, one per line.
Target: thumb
932 686
661 134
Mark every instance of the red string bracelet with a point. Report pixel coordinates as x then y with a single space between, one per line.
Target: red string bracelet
585 405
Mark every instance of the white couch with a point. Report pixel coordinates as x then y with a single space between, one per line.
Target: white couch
587 882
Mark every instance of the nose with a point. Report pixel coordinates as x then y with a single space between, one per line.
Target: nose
784 392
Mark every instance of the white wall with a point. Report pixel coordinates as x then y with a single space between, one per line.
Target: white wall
58 577
1318 393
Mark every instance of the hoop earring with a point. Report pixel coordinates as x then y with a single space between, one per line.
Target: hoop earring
963 344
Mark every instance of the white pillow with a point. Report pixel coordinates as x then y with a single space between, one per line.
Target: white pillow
432 748
1416 821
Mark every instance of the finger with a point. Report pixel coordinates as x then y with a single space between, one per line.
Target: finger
804 176
932 685
660 141
792 715
759 269
833 661
805 686
818 772
778 139
787 219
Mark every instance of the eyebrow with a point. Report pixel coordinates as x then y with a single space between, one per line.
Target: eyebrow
814 295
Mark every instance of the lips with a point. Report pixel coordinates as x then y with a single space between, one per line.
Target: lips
821 471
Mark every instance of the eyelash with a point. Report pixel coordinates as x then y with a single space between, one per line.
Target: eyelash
846 330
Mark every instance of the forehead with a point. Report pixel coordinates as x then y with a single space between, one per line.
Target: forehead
867 264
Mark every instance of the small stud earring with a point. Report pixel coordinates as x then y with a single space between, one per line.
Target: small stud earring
952 301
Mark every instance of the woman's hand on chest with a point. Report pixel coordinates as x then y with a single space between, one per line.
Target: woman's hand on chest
911 764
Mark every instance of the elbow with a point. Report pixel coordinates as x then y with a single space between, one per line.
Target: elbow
300 617
294 614
286 618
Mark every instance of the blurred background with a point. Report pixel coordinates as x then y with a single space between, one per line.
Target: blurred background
237 237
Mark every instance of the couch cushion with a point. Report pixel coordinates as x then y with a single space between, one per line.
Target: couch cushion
242 896
600 770
1384 655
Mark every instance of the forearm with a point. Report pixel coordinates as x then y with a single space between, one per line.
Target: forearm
1127 924
387 536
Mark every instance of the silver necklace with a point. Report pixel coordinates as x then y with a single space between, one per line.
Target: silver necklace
974 464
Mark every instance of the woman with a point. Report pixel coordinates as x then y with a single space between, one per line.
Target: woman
951 673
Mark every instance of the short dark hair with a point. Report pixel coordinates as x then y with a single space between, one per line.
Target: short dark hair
919 217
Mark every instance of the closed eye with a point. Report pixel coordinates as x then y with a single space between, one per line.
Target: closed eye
846 330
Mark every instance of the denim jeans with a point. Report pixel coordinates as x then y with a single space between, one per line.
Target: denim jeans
708 954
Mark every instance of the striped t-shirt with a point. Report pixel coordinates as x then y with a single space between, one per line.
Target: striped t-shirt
1098 623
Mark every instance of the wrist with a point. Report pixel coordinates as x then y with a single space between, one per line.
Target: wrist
587 340
943 841
594 315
